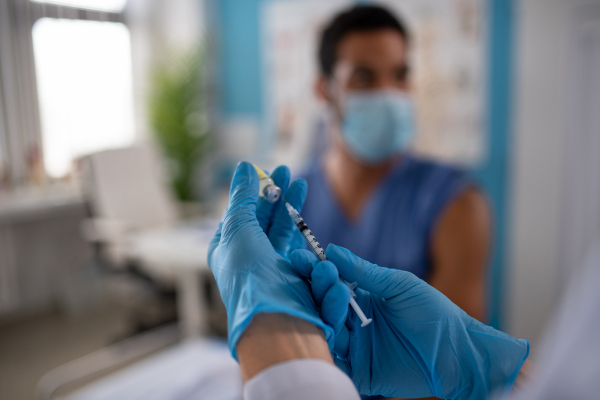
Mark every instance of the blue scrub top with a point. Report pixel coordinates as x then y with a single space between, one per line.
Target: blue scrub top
396 224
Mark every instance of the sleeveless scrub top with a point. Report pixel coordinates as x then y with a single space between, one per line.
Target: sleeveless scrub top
395 226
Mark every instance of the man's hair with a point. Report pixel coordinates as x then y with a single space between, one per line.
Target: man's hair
359 18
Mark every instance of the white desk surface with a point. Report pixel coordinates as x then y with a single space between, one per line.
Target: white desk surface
30 202
181 246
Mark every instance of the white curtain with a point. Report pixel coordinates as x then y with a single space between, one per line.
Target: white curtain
19 115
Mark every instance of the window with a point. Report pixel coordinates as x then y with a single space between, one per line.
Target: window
85 86
104 5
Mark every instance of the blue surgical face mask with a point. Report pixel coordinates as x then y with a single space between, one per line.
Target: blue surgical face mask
378 124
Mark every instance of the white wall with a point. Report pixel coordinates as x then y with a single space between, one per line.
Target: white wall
545 75
177 24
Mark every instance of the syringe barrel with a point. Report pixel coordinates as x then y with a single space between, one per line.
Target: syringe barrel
320 252
312 241
306 232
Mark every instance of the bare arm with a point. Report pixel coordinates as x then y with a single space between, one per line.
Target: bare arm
460 249
275 338
286 358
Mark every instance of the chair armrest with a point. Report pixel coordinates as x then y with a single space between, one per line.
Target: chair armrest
104 230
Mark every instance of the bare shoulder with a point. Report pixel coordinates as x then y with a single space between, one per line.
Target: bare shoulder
463 231
470 209
459 250
469 202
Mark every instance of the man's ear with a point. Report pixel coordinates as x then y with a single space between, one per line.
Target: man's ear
322 89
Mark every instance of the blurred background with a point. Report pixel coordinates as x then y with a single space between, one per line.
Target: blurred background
121 122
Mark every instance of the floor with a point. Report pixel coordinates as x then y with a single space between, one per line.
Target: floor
30 348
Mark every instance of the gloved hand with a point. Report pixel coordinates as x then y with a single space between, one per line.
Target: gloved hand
419 344
252 277
274 218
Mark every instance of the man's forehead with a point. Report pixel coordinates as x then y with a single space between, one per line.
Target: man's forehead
371 48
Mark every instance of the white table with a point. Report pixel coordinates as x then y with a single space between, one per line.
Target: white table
38 220
179 253
26 203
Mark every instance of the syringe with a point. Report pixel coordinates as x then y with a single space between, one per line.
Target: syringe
320 252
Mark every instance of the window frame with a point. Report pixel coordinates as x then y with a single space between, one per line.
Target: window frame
20 121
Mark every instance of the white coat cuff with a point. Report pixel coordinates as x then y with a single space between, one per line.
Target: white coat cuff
300 380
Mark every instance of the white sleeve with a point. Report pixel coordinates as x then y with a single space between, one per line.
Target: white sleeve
568 365
300 380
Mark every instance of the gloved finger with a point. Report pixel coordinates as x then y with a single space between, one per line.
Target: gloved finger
341 345
281 178
334 307
282 229
214 242
242 199
304 261
384 282
324 275
298 241
265 210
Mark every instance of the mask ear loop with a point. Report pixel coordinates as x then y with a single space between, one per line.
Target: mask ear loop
334 111
336 96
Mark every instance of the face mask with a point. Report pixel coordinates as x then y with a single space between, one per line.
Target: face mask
378 124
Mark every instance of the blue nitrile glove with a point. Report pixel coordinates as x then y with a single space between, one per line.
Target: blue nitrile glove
252 277
274 218
419 344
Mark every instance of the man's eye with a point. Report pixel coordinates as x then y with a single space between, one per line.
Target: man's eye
363 77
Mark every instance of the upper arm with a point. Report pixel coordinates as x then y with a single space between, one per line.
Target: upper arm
459 250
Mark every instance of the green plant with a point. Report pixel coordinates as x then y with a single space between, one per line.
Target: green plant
177 115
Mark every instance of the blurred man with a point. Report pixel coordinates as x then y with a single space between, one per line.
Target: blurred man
368 192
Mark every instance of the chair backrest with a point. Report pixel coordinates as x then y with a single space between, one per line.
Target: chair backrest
127 186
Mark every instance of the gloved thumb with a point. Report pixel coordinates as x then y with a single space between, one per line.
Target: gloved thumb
384 282
283 229
304 261
242 197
